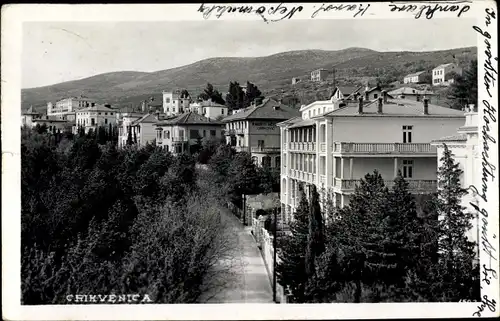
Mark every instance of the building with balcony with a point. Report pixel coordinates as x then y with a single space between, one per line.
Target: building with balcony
254 130
415 78
95 116
66 108
179 133
464 145
338 146
319 74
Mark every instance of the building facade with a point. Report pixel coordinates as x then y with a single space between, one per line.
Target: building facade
254 130
335 149
441 74
414 78
174 104
66 108
28 116
95 116
464 145
125 119
209 109
319 74
52 123
177 135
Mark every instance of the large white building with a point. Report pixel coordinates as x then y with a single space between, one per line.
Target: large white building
334 147
464 145
95 116
209 109
66 108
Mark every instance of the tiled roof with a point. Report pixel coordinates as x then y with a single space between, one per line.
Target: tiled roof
443 65
409 91
290 121
98 108
265 110
415 74
453 138
397 107
149 118
189 118
303 123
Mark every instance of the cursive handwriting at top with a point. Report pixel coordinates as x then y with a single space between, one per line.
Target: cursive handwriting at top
428 10
360 9
266 12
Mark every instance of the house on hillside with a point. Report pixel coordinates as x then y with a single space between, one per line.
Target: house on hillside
345 92
295 80
319 74
66 108
334 150
174 104
442 75
253 130
179 134
414 78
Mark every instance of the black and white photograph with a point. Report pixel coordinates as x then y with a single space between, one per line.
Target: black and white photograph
217 161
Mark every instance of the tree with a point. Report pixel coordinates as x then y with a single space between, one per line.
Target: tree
315 238
463 90
135 137
251 94
235 98
184 93
456 251
129 136
242 176
213 94
291 270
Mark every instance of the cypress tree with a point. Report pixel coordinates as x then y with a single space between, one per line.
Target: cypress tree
291 271
129 137
135 137
315 238
456 251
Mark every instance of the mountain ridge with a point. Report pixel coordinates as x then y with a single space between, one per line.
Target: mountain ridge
268 72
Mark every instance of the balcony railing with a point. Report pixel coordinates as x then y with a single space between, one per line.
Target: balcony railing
322 179
179 139
241 148
284 146
414 185
239 131
303 176
384 148
322 147
303 146
265 149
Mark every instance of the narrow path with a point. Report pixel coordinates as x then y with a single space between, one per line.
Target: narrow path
250 281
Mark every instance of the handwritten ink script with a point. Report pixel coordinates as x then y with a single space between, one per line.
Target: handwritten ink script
267 12
489 274
359 10
428 10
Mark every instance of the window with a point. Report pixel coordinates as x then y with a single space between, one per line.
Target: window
181 133
111 114
98 113
260 143
167 100
165 134
92 121
254 160
193 134
105 120
105 114
266 161
222 111
204 133
407 168
213 133
407 134
375 96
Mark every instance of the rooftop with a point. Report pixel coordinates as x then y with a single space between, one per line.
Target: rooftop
98 108
189 118
397 108
148 118
266 110
415 74
444 65
409 91
453 138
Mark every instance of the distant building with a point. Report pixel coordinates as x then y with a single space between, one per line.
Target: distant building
179 133
209 109
143 130
28 116
95 116
412 93
414 78
174 104
442 75
52 123
125 119
253 130
319 74
345 92
464 145
295 80
66 108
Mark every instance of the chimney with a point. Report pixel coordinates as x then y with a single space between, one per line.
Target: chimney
360 104
384 94
380 104
426 106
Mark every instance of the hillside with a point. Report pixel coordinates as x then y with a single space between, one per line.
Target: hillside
271 73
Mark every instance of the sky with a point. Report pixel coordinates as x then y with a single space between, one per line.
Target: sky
55 52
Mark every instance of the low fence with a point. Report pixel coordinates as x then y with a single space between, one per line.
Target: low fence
265 242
